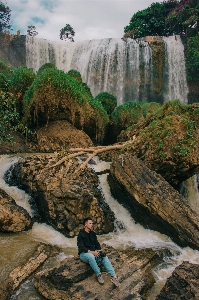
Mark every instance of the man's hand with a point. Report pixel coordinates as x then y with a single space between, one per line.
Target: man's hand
95 253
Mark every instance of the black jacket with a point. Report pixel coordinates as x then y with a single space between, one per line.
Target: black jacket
87 241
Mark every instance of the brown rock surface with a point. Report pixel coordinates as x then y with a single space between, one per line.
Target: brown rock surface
182 284
152 201
64 198
61 135
74 279
13 218
22 272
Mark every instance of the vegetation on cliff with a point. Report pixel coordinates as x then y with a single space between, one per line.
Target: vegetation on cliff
108 101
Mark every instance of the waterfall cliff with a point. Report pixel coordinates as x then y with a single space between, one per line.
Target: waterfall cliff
124 68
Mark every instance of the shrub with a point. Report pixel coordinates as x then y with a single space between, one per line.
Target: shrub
3 82
5 68
76 75
20 81
108 101
87 89
44 67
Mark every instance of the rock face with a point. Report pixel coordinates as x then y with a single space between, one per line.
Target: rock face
183 283
63 198
152 201
61 135
74 279
13 218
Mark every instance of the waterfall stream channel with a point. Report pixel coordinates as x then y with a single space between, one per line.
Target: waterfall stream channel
15 248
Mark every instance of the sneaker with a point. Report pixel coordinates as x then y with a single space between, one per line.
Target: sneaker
100 279
115 281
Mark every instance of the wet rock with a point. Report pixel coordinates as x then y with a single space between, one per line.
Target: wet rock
22 272
182 284
63 198
152 201
13 218
74 279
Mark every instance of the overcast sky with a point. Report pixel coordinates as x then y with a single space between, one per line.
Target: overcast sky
91 19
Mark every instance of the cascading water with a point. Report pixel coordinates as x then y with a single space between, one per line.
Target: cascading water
15 248
122 68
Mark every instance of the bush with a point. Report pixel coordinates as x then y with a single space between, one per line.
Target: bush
192 59
5 68
87 89
3 82
76 75
108 101
20 81
44 67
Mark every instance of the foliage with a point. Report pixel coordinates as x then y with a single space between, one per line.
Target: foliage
44 67
67 33
152 20
192 59
108 101
5 14
3 82
31 31
76 75
100 115
5 68
20 81
9 117
87 89
183 16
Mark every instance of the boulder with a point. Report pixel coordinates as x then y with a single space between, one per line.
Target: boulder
13 218
61 135
182 284
63 199
152 201
73 279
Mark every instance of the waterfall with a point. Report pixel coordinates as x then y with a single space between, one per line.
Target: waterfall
176 87
122 68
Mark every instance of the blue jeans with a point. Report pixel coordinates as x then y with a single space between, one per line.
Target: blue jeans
93 260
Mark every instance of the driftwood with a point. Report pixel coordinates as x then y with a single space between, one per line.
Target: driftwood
20 273
93 152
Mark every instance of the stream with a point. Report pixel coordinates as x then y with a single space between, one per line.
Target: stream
15 248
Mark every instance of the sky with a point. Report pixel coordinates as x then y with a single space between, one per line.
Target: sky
91 19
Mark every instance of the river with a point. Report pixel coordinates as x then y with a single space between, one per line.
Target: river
15 248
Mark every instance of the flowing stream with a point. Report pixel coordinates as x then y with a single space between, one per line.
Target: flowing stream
15 248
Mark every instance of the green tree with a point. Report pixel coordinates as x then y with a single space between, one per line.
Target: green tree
32 30
5 14
67 33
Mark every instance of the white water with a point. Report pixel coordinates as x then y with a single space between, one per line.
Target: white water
124 69
16 247
176 87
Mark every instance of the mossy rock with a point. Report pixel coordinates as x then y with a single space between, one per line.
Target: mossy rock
55 95
108 101
45 66
76 75
20 81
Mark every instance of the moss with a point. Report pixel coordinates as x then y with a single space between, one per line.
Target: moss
44 67
87 89
108 101
20 81
76 75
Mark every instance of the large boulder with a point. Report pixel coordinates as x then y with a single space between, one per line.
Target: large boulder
73 279
62 197
182 284
13 218
152 201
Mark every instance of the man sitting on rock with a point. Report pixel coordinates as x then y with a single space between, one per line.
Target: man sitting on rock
90 252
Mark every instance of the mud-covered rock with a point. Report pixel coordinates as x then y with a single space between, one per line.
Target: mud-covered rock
152 201
74 279
182 284
13 218
63 198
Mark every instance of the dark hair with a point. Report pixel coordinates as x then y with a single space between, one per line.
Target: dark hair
87 219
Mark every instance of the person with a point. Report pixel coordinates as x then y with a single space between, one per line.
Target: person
90 252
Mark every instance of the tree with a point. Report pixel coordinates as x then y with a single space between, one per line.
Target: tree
67 33
5 14
32 30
